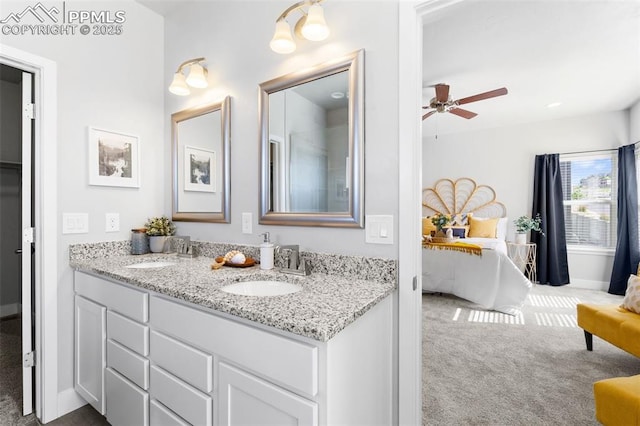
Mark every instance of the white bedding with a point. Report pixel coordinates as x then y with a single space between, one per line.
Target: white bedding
492 280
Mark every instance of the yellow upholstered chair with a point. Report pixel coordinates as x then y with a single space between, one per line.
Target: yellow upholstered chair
618 401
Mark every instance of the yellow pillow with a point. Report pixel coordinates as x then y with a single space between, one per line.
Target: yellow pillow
631 300
427 226
482 227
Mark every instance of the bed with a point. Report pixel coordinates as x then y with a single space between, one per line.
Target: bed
479 269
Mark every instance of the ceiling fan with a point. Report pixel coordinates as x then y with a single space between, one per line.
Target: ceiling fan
443 102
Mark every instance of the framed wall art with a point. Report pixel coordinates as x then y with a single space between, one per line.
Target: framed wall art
113 158
199 169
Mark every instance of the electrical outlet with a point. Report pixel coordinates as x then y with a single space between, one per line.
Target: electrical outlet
246 223
112 222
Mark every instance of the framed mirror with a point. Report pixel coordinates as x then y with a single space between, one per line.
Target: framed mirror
200 163
312 146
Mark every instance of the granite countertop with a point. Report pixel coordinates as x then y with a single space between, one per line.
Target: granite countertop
325 306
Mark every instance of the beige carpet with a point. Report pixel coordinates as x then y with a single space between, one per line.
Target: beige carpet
486 368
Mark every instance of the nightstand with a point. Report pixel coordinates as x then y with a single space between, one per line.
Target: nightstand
524 256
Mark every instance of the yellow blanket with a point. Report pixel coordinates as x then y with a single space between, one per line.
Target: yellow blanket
455 246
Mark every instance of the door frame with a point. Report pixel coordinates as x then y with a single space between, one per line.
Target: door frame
412 16
46 225
26 259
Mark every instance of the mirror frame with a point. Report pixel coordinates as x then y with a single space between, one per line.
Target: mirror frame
222 216
354 217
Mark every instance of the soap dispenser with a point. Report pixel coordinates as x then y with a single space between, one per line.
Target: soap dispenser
266 252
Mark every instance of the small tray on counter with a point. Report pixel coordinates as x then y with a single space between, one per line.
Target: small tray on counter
250 261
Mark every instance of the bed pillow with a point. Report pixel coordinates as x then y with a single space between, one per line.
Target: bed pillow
501 228
482 227
631 300
427 226
458 231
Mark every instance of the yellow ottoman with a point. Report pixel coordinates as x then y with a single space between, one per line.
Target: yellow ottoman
618 401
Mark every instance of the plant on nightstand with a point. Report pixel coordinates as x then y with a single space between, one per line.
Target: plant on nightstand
158 229
525 224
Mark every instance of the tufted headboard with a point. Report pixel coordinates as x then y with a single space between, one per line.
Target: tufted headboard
460 197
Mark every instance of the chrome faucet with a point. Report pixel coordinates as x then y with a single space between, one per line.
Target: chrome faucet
186 248
293 263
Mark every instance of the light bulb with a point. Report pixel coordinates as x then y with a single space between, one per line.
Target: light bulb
282 41
178 85
197 76
315 27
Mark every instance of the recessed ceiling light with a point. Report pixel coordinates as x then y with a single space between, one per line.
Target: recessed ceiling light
554 104
337 95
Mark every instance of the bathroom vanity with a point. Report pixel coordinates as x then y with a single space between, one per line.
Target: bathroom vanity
166 345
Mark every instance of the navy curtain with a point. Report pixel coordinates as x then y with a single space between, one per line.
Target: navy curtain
551 261
627 254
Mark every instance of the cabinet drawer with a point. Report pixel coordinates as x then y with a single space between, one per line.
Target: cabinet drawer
131 334
189 364
247 400
162 416
127 404
117 297
285 361
185 400
128 363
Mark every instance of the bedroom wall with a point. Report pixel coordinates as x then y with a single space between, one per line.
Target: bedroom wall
634 123
504 159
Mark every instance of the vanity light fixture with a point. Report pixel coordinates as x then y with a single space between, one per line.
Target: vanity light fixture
311 26
197 77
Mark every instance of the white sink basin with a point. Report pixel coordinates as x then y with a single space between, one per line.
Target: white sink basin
261 288
147 265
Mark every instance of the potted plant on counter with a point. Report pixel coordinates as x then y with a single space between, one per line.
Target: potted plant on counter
525 224
158 229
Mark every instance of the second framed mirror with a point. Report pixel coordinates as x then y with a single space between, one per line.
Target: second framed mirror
200 163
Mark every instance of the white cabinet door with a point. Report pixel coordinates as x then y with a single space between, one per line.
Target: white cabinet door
90 351
127 404
248 400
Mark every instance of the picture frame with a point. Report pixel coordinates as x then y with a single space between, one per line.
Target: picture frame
113 158
199 169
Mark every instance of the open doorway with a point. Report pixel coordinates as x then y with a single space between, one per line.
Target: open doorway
17 314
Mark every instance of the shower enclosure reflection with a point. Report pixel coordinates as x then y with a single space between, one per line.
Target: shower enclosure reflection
311 135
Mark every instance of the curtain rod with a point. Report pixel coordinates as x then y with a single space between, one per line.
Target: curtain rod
589 152
596 150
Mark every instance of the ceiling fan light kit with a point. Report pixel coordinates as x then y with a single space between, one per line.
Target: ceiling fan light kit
442 102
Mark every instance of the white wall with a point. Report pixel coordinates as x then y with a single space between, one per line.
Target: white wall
504 159
634 123
234 37
112 82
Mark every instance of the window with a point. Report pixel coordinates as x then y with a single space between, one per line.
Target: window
589 198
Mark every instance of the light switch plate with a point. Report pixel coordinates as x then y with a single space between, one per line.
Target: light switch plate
75 223
379 229
246 223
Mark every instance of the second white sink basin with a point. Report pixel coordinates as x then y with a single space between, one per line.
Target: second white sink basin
261 288
147 265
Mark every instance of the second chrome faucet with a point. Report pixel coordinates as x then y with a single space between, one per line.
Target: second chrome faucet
294 264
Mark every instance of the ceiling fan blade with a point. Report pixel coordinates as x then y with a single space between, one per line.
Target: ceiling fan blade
442 92
429 114
482 96
462 113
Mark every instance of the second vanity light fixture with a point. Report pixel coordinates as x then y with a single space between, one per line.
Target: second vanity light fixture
197 77
311 26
